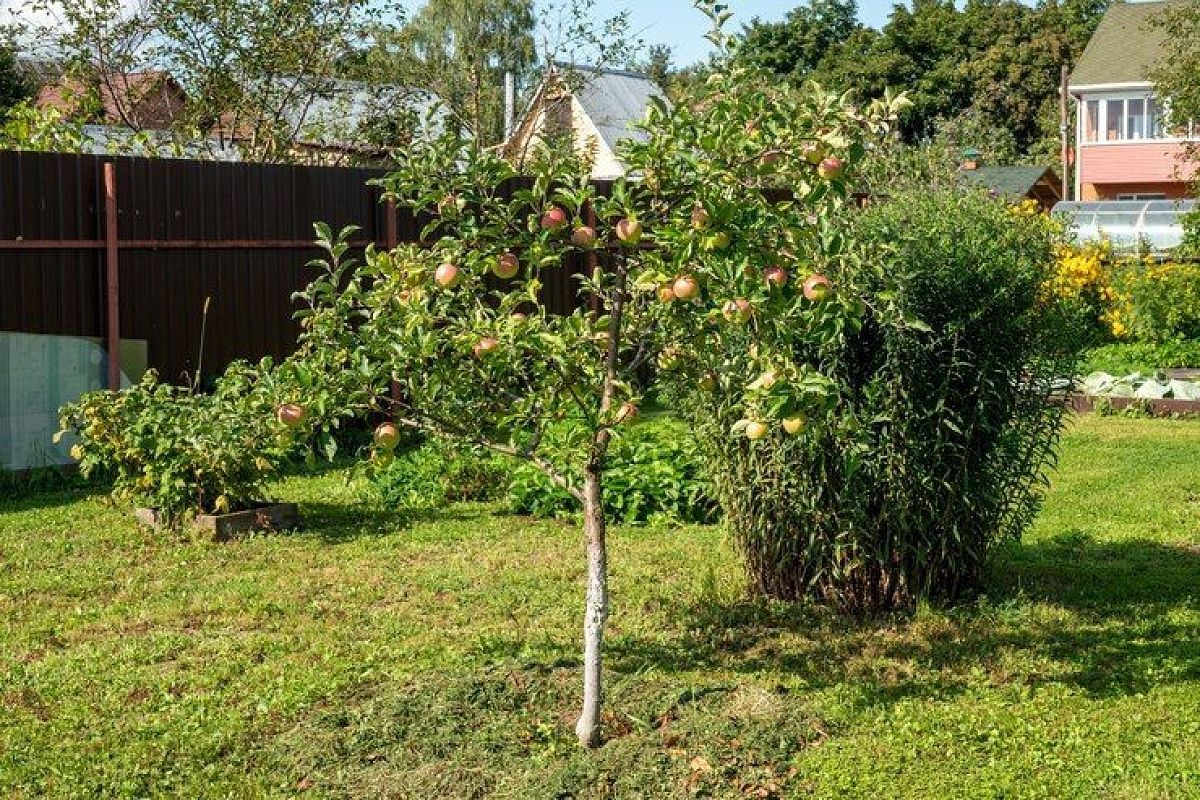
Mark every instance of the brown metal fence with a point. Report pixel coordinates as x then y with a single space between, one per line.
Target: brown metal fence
89 240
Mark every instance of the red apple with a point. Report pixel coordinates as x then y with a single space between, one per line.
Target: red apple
666 294
685 287
291 414
776 276
554 219
817 287
447 275
755 430
507 265
629 230
584 236
770 158
739 310
830 168
485 347
387 436
700 218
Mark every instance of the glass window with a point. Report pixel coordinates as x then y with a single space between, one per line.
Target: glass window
1135 118
1091 120
1114 113
1154 126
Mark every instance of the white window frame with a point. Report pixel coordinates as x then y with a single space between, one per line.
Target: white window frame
1141 196
1104 99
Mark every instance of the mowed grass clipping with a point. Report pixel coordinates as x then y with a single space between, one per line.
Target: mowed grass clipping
371 655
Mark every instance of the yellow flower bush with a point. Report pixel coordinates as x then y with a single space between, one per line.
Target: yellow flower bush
1083 277
1132 297
1157 302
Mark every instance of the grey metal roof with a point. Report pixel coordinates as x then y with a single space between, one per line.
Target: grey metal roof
614 100
338 112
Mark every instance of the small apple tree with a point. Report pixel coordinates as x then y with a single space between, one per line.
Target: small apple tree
460 327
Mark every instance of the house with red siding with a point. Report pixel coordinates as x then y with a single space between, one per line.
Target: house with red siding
1127 146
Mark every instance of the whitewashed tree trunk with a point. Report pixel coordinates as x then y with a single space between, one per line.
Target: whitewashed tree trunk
595 611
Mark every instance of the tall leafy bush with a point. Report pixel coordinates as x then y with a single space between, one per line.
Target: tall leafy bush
943 426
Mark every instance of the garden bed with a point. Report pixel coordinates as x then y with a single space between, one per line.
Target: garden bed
1164 407
263 517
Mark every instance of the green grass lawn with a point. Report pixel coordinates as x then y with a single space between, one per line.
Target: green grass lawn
373 656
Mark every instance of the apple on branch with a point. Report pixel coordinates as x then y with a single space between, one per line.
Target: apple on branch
291 414
685 287
629 231
386 436
554 220
447 275
507 265
817 287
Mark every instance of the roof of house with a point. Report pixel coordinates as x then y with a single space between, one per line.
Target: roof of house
1125 48
613 99
1012 181
334 116
148 98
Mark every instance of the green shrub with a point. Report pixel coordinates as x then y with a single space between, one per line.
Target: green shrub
1145 357
654 473
1161 302
936 446
178 451
1189 248
433 473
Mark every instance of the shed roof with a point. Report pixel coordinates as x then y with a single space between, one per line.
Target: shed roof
1008 181
1125 48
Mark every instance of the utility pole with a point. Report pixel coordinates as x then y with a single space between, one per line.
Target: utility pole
1063 130
510 104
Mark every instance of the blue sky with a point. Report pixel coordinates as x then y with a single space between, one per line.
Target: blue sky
678 24
672 22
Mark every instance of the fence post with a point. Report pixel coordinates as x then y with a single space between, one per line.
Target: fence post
389 225
112 287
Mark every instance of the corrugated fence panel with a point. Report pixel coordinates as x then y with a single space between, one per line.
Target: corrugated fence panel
234 234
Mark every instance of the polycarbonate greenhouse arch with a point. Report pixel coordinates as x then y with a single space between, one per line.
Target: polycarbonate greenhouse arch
1127 224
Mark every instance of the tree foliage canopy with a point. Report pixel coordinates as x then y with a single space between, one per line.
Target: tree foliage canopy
996 60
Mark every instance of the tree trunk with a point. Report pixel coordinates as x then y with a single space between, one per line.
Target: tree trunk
595 610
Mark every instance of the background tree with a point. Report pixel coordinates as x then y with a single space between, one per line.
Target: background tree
14 84
1178 76
251 71
993 61
460 50
656 65
798 44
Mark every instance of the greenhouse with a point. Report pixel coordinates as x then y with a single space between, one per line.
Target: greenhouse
1128 224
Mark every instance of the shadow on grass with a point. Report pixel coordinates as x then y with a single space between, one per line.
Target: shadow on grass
42 498
343 522
1109 626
